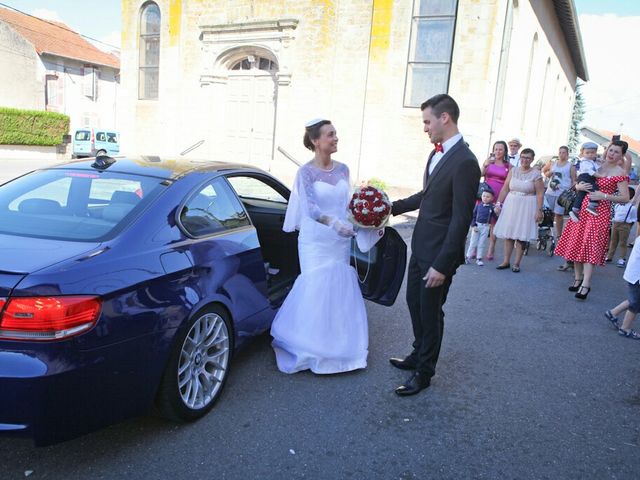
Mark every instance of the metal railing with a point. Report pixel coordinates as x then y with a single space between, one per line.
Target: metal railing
289 156
191 148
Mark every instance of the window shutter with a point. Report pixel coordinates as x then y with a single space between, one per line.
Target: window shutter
88 82
61 92
96 78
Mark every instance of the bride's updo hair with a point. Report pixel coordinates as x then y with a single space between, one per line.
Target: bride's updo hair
312 132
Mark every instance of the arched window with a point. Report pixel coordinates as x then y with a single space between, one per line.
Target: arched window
544 96
532 57
504 58
253 62
149 61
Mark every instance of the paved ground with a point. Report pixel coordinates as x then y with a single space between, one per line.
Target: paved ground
531 384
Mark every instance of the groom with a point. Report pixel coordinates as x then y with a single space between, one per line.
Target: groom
437 248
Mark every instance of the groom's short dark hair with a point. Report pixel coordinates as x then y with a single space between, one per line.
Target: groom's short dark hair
443 103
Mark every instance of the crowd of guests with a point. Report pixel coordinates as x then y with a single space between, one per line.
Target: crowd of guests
594 192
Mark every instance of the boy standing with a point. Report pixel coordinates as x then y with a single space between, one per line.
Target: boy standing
587 172
632 304
624 215
480 224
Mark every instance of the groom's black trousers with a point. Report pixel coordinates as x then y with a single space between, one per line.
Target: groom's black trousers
427 316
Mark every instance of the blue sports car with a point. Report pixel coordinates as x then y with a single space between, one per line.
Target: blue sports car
128 283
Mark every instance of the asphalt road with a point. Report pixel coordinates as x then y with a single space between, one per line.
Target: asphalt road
531 384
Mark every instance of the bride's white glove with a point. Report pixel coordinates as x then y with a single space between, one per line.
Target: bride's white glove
344 229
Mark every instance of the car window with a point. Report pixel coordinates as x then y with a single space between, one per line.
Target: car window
112 138
102 189
76 205
101 137
213 208
57 191
83 135
251 187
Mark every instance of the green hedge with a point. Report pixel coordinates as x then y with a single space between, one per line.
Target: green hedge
32 127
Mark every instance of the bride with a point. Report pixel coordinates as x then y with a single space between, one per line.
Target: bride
322 324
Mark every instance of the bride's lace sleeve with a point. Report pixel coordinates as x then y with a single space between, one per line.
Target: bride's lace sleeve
302 202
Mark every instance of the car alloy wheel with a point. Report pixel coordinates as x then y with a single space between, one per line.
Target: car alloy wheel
198 366
204 359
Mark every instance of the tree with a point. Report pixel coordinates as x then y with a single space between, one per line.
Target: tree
576 118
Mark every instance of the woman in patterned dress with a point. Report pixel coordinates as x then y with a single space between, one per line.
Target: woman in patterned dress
495 170
585 242
518 218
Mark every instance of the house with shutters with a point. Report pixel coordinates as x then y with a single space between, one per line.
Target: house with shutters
44 65
244 76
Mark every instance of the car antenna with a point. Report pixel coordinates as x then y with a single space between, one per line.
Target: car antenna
103 162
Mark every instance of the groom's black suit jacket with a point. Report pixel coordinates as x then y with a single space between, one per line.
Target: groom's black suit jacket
446 206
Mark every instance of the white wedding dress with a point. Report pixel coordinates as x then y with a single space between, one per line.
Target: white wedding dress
322 324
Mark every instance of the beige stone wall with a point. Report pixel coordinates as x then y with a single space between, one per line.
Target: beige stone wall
20 84
347 61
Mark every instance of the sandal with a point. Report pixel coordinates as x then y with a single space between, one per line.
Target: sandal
503 266
489 257
583 296
613 319
515 269
576 285
629 334
564 267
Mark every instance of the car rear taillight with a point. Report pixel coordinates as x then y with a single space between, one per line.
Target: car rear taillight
47 318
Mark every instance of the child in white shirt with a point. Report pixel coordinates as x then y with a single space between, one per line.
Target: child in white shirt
624 216
632 304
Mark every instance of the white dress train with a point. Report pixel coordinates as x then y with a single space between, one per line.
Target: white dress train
322 324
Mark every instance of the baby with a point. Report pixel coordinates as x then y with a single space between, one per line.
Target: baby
587 172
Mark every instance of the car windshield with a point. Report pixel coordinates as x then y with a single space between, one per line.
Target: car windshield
77 205
83 135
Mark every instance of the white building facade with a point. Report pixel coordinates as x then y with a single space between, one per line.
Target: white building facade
46 66
245 75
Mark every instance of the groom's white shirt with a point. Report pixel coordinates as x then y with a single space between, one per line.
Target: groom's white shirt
445 146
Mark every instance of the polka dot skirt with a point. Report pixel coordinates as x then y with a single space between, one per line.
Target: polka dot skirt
587 240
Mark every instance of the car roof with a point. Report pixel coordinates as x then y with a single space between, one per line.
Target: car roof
170 168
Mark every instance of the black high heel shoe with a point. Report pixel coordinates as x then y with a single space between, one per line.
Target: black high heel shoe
583 296
576 285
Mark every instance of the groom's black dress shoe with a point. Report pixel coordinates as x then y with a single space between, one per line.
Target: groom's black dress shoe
402 364
418 381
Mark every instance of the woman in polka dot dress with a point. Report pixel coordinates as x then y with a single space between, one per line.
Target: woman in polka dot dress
585 242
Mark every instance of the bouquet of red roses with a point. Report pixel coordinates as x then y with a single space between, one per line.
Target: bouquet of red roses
369 207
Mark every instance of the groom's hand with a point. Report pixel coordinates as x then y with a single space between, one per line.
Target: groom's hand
434 278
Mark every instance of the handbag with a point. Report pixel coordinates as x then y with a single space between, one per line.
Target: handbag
484 187
566 199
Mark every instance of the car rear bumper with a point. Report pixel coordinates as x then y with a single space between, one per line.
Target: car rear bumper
62 393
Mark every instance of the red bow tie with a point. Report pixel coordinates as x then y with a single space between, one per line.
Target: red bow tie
439 148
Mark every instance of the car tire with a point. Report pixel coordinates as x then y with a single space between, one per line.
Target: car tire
198 366
101 152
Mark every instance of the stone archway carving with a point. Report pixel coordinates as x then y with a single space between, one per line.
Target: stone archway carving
222 44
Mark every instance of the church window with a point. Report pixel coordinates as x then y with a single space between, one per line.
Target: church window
149 60
430 50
